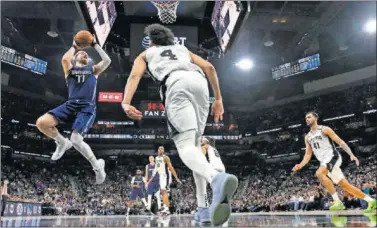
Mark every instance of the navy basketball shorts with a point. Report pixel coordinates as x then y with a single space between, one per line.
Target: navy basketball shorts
153 187
81 115
136 193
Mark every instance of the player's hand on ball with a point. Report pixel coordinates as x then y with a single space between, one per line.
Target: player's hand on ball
132 112
94 41
297 168
217 110
77 47
354 158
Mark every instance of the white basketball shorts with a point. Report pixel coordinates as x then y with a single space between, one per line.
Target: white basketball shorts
333 166
187 102
165 181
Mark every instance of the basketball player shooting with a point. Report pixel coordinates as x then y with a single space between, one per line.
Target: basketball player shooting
153 183
164 169
80 109
213 157
184 92
320 141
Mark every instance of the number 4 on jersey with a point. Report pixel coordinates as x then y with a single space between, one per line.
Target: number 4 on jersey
169 53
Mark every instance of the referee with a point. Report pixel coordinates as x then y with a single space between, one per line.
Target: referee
4 196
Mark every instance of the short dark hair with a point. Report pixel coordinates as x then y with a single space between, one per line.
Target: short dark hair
211 141
159 34
315 114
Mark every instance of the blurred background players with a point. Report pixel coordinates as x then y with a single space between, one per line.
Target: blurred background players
80 109
165 169
153 183
137 184
213 157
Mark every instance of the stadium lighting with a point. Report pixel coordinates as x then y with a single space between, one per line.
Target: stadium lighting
245 64
370 26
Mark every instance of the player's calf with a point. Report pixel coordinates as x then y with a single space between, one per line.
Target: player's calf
98 165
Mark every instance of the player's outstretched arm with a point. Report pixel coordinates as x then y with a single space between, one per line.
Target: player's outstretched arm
105 63
333 136
67 58
210 71
307 156
138 69
217 109
171 168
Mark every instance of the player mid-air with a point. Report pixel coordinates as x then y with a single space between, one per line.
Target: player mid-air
320 141
164 169
153 185
137 184
80 109
185 95
213 157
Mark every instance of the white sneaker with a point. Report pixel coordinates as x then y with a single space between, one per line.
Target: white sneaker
100 172
61 148
165 211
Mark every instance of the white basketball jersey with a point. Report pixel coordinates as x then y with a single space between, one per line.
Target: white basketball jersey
162 60
160 164
214 159
322 146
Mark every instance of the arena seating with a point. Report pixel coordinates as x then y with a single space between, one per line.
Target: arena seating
68 186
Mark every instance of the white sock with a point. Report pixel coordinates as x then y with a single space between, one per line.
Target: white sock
59 138
367 198
335 196
149 202
128 210
158 196
79 144
201 190
191 155
144 202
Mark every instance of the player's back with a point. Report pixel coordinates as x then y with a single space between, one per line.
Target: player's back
82 84
162 60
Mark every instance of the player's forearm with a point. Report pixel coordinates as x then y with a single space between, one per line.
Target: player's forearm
346 148
173 172
305 160
129 91
213 80
67 57
105 63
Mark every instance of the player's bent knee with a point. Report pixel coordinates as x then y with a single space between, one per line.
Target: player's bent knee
46 121
76 138
343 183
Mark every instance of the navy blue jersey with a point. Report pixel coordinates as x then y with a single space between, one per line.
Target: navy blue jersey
150 173
82 84
138 180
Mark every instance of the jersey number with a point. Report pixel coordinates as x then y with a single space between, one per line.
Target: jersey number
316 145
80 78
169 53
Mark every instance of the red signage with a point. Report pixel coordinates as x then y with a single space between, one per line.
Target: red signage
110 97
152 109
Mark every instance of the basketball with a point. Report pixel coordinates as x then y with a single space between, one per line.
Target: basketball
84 39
